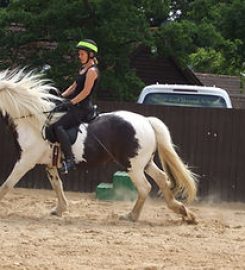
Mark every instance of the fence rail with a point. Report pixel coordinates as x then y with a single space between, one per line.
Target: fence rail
211 141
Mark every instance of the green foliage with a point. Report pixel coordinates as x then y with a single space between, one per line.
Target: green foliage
232 25
213 26
155 11
116 88
205 34
117 27
176 39
203 58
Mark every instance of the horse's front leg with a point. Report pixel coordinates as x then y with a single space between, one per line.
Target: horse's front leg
57 186
21 167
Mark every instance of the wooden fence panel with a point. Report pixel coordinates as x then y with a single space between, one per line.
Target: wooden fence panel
211 141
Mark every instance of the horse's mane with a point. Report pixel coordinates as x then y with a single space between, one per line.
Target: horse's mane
25 93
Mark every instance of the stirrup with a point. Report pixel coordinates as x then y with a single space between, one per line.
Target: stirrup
67 166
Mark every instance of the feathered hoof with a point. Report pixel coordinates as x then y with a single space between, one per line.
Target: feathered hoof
187 215
190 218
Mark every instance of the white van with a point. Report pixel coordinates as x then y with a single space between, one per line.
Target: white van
185 95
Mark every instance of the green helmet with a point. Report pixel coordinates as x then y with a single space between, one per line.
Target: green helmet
88 45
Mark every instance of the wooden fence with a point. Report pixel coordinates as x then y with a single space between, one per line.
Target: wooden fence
211 141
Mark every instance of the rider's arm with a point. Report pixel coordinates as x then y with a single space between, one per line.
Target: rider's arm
88 85
69 90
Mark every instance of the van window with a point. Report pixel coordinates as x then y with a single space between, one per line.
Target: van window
188 100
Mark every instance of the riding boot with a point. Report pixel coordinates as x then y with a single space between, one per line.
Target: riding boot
69 162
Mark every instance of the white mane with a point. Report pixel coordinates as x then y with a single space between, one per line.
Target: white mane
25 93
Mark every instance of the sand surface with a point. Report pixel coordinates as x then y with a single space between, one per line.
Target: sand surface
90 236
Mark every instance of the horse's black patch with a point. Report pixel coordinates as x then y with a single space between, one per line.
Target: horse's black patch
10 134
110 138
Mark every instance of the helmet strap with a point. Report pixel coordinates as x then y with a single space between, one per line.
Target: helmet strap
88 58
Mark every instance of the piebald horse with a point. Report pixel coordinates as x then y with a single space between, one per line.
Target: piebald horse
129 138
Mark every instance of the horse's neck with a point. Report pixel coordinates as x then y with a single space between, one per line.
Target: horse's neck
27 128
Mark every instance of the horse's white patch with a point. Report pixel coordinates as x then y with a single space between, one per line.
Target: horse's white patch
78 146
27 136
145 135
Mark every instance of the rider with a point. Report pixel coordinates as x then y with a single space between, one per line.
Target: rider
79 99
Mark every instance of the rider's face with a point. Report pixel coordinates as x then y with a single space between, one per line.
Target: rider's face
83 56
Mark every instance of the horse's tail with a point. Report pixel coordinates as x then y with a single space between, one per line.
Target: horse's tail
176 170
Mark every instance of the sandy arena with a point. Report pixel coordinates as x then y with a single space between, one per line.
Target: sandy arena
90 236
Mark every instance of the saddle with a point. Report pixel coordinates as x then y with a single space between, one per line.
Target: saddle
49 133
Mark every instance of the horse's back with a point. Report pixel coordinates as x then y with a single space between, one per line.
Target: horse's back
128 137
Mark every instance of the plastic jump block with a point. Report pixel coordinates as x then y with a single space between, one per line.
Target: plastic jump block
104 191
121 179
123 187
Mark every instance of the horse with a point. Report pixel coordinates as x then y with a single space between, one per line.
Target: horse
126 137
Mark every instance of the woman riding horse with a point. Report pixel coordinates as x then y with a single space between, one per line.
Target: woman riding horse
79 100
129 138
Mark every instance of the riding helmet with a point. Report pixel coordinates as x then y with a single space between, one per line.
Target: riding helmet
88 45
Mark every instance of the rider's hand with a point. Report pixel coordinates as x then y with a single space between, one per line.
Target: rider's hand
66 105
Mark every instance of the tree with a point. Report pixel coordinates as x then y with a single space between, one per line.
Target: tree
211 58
37 33
204 34
213 27
232 25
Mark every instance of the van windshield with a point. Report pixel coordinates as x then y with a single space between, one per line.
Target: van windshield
187 100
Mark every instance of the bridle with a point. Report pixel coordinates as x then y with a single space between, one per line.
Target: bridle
31 115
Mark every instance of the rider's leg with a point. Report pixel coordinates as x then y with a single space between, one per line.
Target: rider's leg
65 122
69 162
72 118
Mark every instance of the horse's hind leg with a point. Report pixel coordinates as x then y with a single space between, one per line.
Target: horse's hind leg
143 187
163 183
57 186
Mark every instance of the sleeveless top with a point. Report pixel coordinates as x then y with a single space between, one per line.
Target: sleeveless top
80 81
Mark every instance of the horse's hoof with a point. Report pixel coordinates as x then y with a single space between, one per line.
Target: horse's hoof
124 217
190 219
127 217
55 212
